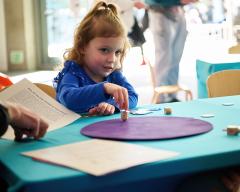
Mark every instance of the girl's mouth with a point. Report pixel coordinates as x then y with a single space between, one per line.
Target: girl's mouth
108 68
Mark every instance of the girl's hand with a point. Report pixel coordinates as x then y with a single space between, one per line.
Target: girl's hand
102 109
119 93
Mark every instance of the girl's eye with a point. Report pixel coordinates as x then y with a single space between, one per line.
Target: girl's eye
104 50
118 52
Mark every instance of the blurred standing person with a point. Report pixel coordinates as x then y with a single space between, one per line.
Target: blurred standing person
168 26
126 10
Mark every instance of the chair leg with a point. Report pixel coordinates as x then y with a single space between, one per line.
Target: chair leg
188 95
155 98
168 90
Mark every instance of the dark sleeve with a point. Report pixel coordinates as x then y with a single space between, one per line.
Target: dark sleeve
4 119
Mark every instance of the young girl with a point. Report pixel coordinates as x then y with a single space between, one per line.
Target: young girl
91 81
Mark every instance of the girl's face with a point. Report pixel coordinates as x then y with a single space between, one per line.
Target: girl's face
102 56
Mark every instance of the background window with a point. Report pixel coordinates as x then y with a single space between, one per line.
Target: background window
59 19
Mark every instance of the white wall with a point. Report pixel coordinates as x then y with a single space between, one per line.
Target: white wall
3 45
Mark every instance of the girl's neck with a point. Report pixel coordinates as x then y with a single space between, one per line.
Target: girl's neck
95 78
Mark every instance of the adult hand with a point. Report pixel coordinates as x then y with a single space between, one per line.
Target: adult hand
120 94
102 109
184 2
231 180
23 121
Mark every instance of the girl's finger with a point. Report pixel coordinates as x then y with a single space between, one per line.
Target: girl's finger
102 108
93 111
121 99
109 110
126 101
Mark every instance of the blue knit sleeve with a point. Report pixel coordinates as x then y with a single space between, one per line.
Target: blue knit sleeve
77 92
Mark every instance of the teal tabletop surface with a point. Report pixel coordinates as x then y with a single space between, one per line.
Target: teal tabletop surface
208 151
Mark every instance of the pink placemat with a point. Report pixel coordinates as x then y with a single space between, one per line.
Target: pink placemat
147 128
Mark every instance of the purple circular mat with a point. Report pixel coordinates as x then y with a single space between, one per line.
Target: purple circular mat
147 128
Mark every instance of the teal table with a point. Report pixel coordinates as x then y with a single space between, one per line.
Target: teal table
212 150
207 66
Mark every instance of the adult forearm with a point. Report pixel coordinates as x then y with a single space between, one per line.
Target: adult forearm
163 3
168 3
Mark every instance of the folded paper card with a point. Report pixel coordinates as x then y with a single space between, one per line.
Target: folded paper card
100 157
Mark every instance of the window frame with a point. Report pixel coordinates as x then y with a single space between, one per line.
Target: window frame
44 62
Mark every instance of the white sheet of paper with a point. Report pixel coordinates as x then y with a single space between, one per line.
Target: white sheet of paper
99 157
29 95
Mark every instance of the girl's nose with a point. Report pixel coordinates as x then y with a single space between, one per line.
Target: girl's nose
111 57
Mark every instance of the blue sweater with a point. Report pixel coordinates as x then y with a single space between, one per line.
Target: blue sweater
78 92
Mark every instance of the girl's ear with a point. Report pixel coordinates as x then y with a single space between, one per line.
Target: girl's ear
82 50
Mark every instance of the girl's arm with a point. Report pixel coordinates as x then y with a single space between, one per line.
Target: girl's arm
79 96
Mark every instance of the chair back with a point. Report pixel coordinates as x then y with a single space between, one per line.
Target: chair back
224 83
152 73
167 89
234 49
49 90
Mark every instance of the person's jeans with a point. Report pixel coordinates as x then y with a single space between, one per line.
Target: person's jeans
169 38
